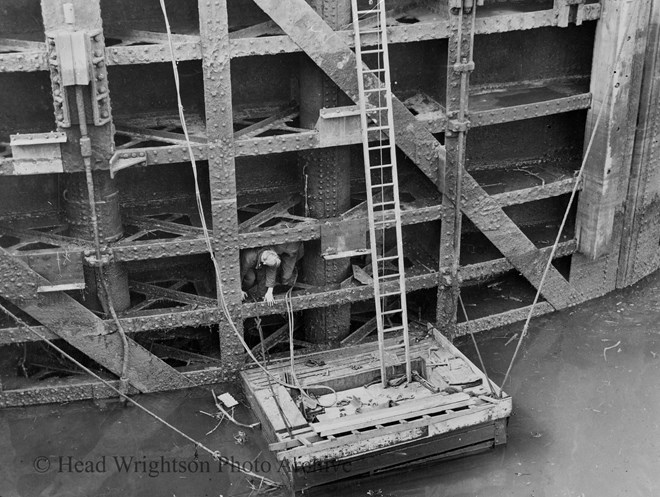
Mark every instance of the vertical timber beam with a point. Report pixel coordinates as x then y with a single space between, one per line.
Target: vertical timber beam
84 17
326 175
222 172
640 250
459 65
615 86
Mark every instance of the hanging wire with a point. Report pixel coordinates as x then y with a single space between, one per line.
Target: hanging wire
214 453
476 347
219 286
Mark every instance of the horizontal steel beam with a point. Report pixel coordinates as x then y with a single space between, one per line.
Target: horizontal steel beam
35 59
157 319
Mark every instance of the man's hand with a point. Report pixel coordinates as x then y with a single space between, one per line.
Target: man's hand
269 297
244 295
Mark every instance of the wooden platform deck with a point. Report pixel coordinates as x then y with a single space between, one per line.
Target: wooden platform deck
367 428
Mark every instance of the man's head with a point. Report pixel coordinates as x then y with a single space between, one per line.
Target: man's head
270 258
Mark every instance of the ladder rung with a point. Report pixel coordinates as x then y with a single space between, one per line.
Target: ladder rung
372 51
380 147
393 311
390 330
382 185
392 294
369 11
372 71
371 31
387 258
389 277
377 128
387 202
375 109
375 90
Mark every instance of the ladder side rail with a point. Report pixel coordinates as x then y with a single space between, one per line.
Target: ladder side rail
367 169
397 204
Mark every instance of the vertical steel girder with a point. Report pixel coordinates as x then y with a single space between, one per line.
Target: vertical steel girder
222 175
326 178
459 66
337 60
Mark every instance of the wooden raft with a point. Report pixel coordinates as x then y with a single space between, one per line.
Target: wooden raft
369 427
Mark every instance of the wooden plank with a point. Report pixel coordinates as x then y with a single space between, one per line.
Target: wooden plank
416 451
292 417
412 408
331 442
640 254
616 91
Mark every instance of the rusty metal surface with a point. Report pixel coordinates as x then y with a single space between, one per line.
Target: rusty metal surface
338 61
208 314
68 319
36 60
85 389
222 173
502 319
460 64
306 140
528 111
17 281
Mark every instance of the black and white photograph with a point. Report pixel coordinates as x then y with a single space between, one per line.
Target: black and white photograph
356 248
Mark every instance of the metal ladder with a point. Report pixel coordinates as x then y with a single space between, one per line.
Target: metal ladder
380 170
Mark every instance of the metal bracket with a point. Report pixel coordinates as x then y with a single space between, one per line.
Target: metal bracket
467 6
124 160
342 239
78 58
458 125
339 125
93 261
464 66
37 153
564 9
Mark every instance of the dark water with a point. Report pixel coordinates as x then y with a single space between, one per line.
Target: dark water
583 425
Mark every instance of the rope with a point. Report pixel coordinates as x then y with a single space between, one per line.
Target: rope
476 347
221 297
578 178
214 453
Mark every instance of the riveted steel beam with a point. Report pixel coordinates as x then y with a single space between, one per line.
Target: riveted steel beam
32 59
69 320
502 319
84 389
460 65
209 314
214 35
306 140
529 111
338 61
